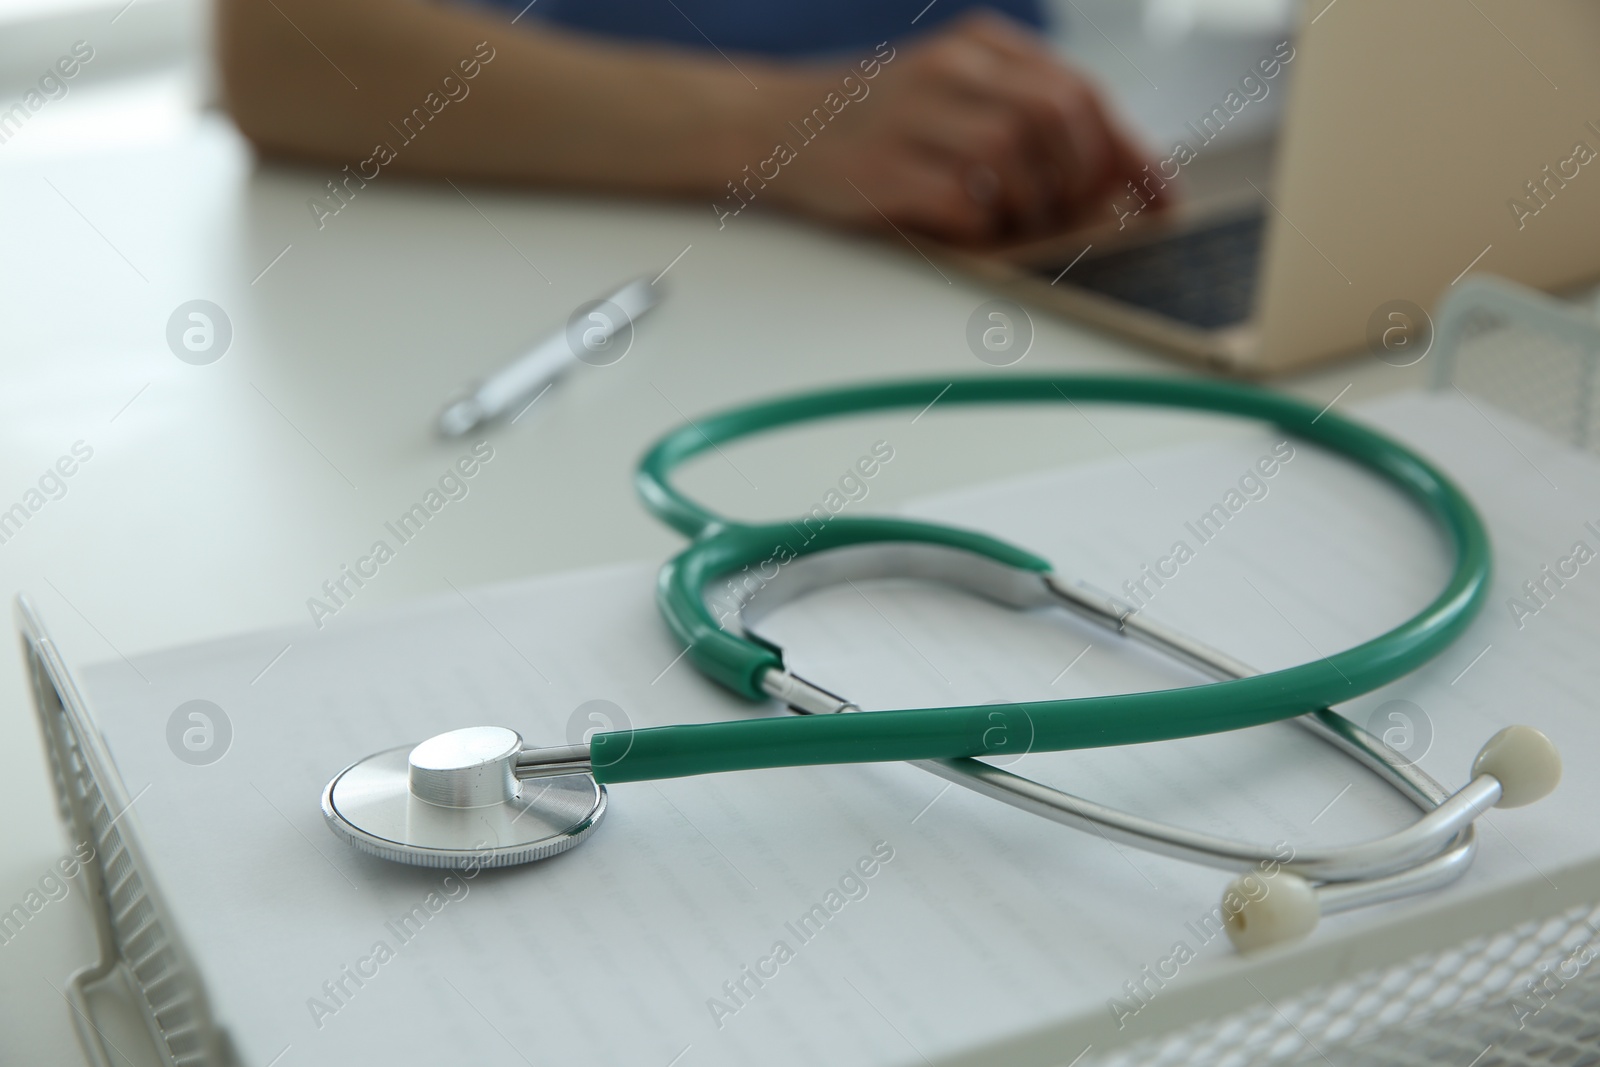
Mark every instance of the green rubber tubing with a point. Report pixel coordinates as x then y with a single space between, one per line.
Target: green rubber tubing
720 546
738 661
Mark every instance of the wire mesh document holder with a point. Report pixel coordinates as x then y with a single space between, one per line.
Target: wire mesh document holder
1523 995
1528 354
1517 997
138 941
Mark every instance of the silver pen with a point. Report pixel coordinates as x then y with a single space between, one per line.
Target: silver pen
586 337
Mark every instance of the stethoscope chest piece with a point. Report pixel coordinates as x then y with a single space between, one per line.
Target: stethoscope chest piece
456 800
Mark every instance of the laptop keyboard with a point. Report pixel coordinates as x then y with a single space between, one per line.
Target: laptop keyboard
1204 277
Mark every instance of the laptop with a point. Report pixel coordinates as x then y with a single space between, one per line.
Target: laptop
1418 142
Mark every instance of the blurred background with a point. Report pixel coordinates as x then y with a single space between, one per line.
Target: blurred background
153 72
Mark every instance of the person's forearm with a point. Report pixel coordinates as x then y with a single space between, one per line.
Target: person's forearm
335 81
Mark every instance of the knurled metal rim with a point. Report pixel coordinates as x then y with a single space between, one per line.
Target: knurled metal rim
423 856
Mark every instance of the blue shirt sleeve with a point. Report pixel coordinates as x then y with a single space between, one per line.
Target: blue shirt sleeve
790 28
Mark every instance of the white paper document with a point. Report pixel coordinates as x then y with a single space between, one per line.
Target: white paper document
868 914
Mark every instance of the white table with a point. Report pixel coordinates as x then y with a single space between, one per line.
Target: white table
220 497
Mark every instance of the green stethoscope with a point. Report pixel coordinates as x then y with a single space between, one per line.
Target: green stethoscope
461 797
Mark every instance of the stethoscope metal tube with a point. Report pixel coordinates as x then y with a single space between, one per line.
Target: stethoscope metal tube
1446 815
552 762
1435 873
1425 855
1405 848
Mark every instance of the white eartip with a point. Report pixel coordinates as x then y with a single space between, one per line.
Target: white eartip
1524 761
1261 911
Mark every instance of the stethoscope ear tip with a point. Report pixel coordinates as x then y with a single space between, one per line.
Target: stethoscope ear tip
1525 763
1261 911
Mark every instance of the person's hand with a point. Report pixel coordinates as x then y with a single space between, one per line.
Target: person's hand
975 133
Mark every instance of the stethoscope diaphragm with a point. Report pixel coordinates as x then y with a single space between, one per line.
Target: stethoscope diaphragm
455 800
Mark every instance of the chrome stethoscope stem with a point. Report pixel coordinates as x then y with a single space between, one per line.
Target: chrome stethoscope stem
1435 873
1416 843
1429 852
552 762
